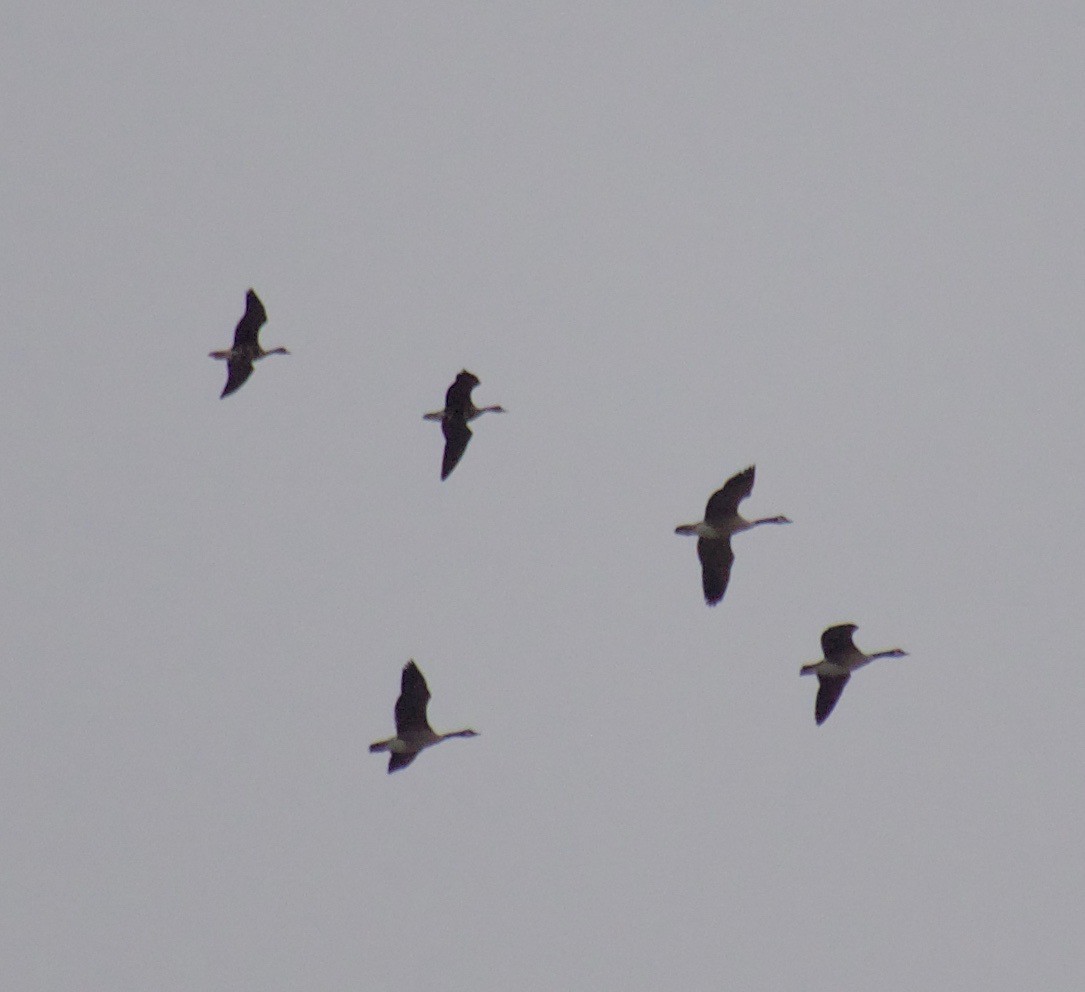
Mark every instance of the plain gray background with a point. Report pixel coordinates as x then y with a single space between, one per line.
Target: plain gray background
843 241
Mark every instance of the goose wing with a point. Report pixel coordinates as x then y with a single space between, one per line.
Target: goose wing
398 761
723 503
457 434
249 325
829 689
716 560
458 397
411 705
836 641
238 369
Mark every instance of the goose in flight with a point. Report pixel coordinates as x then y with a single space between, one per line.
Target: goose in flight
413 732
459 411
842 658
246 350
721 520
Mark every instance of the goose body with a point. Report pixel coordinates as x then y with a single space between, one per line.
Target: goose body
459 411
246 350
413 732
721 521
842 658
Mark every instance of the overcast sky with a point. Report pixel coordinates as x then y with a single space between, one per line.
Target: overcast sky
675 239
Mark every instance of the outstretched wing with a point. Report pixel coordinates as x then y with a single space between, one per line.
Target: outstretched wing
457 434
829 689
411 705
716 560
458 397
836 641
398 761
723 503
249 325
238 369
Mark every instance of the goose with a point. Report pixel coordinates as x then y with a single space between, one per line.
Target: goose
842 658
246 350
413 732
721 520
459 411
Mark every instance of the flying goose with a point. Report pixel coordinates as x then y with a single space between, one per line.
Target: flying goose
246 349
721 520
459 411
842 658
413 732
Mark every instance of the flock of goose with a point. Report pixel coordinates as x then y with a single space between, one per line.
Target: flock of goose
721 522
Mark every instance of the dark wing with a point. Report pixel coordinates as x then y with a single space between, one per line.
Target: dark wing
829 689
238 369
457 434
249 325
458 397
716 560
723 503
411 705
837 640
398 761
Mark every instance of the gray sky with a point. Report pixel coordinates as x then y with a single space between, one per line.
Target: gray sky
673 240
